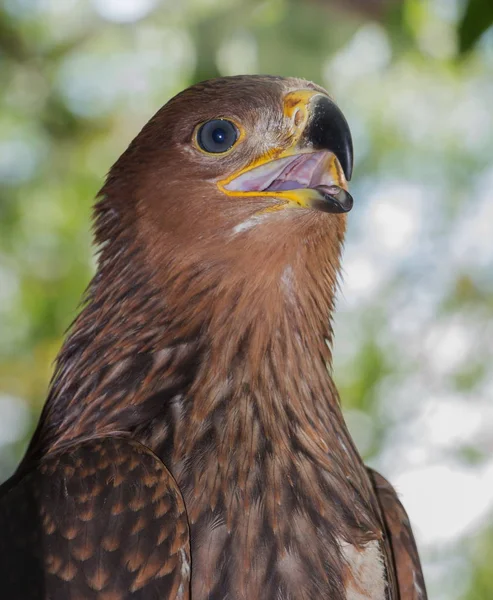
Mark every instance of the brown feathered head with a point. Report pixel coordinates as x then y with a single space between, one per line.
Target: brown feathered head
244 176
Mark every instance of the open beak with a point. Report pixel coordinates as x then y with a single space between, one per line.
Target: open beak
312 172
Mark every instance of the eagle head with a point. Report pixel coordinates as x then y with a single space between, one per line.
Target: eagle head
235 170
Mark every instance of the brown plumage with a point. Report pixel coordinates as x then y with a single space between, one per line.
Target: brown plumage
192 444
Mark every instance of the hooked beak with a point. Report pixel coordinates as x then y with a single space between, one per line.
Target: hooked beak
313 171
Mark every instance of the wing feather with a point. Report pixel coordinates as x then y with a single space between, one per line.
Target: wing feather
408 570
103 519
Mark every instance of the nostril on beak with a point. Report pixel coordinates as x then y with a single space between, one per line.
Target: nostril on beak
298 117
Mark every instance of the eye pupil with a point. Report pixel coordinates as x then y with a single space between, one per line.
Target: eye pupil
217 136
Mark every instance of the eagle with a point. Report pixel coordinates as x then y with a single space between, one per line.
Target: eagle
192 444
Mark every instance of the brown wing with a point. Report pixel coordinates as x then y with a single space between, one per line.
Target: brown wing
102 520
403 547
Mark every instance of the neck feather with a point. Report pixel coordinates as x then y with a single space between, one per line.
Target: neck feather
163 353
202 364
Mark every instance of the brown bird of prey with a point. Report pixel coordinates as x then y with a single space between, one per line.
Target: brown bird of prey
192 444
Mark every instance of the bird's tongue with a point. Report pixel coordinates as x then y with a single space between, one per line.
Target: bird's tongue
303 172
260 178
311 170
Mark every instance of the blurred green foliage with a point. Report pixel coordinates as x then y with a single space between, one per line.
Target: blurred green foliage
478 18
79 78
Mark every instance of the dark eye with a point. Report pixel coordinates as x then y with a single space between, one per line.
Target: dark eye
217 136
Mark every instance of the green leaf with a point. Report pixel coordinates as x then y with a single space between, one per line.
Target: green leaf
477 18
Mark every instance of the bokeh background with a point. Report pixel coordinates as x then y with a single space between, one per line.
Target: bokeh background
414 328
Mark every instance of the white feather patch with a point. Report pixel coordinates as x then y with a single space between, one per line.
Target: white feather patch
248 224
367 579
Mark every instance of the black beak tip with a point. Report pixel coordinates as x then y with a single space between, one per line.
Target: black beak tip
329 130
334 200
